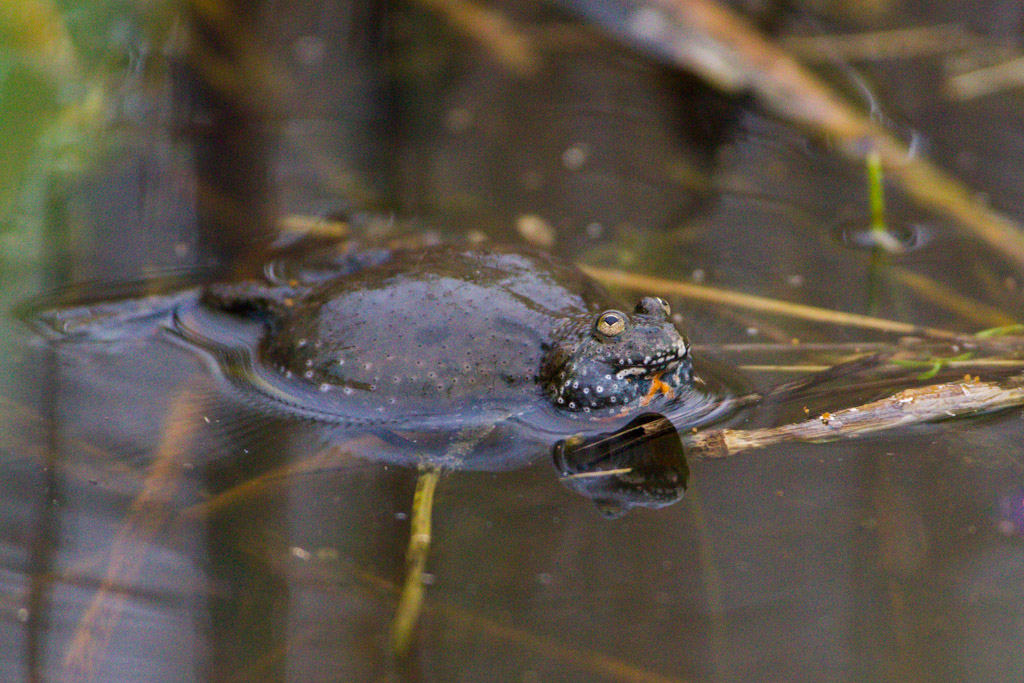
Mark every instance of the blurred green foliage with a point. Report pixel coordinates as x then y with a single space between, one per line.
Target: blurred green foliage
60 60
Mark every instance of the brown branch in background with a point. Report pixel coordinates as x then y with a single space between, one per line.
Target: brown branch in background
987 80
908 407
506 43
939 294
713 41
899 43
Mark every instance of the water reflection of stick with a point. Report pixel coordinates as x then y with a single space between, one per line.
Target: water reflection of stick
410 602
908 407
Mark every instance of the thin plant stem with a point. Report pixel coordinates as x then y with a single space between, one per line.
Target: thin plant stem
647 283
410 601
876 193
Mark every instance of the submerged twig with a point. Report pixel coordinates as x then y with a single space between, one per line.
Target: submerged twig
128 553
410 601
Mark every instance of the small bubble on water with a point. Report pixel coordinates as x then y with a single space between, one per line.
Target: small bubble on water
575 156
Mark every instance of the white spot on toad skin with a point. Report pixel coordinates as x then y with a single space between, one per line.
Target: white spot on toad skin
586 390
347 391
572 404
308 374
300 343
599 389
325 387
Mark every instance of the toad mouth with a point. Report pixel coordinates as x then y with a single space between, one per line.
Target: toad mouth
654 365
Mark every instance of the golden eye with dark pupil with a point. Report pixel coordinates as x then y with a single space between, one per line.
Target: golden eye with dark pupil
611 324
664 305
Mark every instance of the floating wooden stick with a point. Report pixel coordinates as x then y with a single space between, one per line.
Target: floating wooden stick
911 406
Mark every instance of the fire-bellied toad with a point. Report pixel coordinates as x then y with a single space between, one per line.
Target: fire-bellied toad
438 330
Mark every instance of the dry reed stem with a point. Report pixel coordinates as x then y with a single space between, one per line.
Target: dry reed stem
507 44
898 43
941 295
647 283
710 39
988 80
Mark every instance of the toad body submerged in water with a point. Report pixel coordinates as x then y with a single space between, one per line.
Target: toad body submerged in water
437 338
435 331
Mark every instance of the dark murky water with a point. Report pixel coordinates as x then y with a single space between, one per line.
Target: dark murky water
155 528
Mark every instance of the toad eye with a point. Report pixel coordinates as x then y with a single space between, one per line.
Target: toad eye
664 305
611 323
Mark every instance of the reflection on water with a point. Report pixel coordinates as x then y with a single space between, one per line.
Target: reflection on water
154 527
642 464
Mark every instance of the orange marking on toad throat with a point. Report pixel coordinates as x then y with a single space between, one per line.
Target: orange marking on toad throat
657 387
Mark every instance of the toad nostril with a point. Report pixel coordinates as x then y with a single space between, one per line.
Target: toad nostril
653 305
